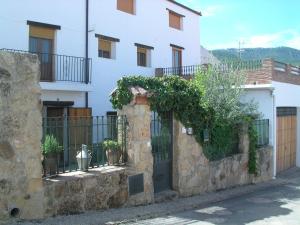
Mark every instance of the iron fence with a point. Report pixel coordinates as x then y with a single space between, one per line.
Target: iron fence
262 129
56 67
71 133
190 71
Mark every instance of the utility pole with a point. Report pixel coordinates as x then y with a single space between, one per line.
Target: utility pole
240 50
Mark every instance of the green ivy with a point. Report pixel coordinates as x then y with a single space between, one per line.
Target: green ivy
252 164
167 93
172 93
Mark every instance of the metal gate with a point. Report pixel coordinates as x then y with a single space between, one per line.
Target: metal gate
162 148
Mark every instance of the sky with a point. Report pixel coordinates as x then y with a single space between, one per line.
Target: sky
253 23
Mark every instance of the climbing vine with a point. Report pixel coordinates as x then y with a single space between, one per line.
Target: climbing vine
185 99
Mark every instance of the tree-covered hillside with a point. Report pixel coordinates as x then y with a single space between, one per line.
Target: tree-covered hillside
282 54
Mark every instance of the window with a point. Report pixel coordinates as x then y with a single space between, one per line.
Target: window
106 46
143 55
175 20
177 57
41 40
126 6
104 50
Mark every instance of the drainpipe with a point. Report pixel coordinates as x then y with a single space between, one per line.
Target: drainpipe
274 135
87 50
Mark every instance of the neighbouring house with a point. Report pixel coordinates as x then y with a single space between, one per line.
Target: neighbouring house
85 46
276 86
207 57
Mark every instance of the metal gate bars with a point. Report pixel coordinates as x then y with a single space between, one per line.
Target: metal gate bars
162 142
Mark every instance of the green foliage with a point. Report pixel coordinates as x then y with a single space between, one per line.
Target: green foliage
111 145
167 93
221 92
252 164
223 141
51 146
211 101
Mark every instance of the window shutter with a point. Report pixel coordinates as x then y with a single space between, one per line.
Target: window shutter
41 32
174 20
104 45
126 6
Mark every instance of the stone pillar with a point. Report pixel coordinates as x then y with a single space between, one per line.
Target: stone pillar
140 159
21 188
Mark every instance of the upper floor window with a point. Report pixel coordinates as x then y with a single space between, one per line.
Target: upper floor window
175 20
126 6
143 55
41 41
106 46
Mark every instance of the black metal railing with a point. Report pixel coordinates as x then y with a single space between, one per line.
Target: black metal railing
56 67
262 129
190 71
71 133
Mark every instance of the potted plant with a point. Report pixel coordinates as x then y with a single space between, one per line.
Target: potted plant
113 151
50 151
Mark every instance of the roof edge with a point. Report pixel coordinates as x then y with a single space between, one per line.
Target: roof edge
185 7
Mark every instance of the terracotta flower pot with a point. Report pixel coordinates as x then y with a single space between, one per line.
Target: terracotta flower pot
113 157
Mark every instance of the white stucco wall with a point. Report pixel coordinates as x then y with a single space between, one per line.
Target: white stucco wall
149 26
264 99
287 95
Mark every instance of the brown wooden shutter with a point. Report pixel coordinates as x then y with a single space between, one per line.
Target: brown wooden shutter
126 6
41 32
80 112
80 130
174 20
104 45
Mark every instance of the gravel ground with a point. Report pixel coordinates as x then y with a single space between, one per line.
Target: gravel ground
133 214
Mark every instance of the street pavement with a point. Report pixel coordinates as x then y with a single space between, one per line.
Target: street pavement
276 202
279 205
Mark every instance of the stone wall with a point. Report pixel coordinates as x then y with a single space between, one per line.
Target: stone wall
21 188
194 174
77 192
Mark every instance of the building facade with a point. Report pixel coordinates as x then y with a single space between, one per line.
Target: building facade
274 87
86 46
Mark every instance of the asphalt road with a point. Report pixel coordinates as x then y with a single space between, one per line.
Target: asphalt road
278 205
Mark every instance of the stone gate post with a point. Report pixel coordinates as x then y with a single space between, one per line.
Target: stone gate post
21 187
140 159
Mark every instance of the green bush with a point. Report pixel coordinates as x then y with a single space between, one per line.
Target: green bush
51 146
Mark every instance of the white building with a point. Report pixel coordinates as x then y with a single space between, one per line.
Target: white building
207 57
124 37
276 87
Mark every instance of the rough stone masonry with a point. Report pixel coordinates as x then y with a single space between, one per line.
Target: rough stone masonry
21 187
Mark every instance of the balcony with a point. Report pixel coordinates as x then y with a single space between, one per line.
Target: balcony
62 68
190 71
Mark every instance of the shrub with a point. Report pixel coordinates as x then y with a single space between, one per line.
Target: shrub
51 146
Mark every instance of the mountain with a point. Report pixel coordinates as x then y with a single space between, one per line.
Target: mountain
282 54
